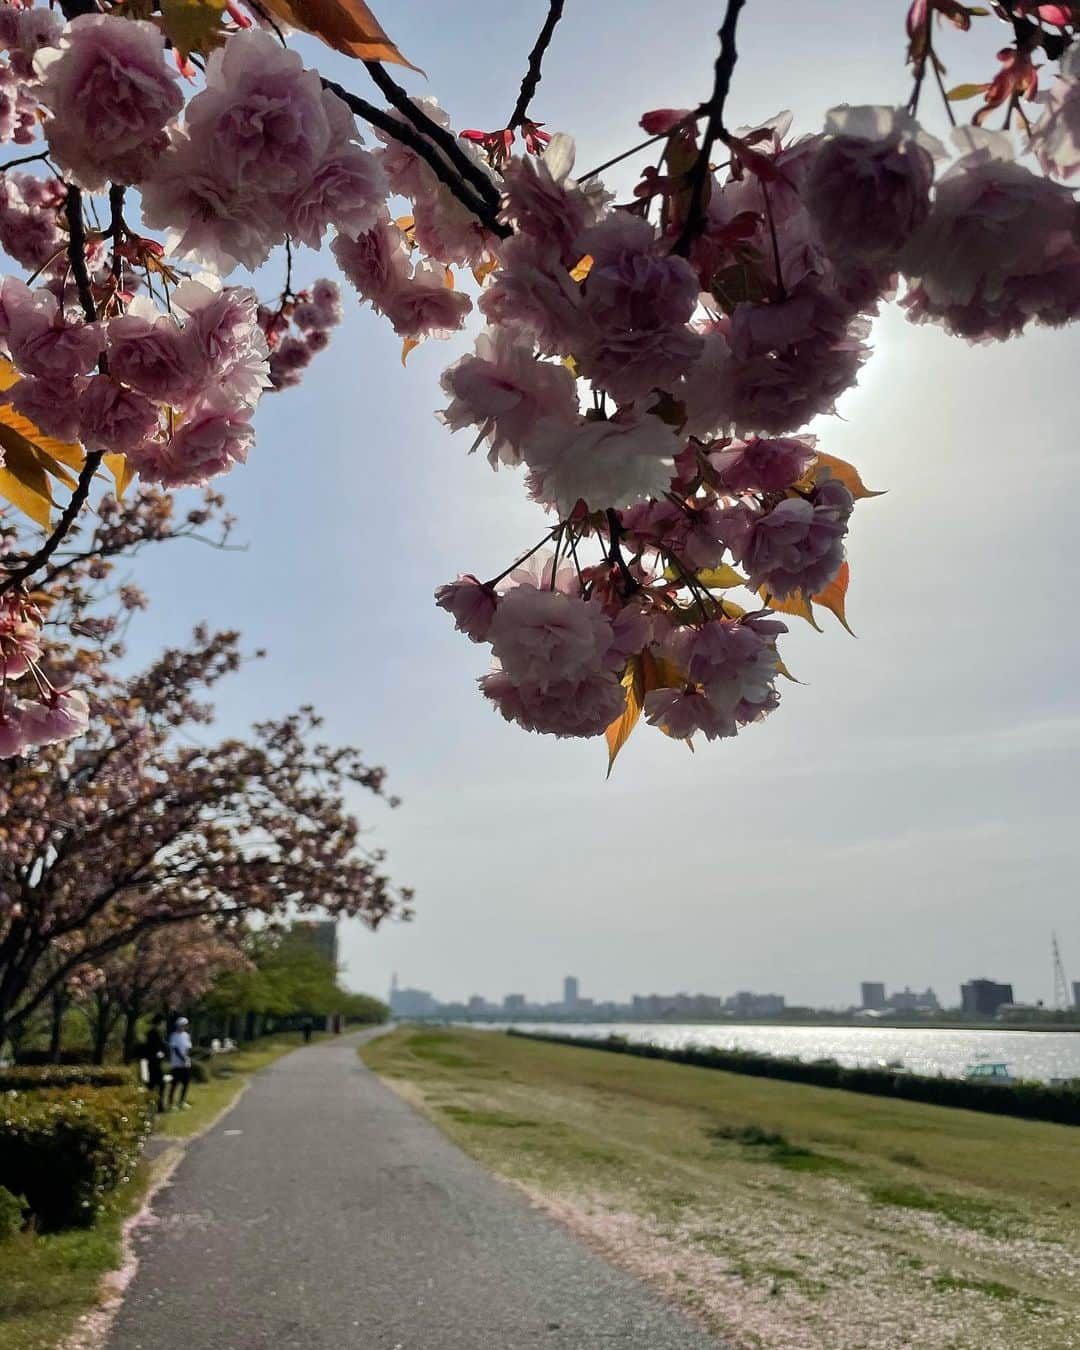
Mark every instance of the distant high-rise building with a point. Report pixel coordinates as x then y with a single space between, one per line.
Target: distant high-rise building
322 934
982 998
873 995
514 1003
570 992
909 1000
411 1002
1076 993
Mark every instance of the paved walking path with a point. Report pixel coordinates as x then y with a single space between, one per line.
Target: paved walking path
322 1213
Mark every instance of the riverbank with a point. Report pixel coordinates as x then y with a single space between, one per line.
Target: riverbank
50 1281
785 1216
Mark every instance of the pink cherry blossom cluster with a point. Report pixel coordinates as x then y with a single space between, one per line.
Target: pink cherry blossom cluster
51 714
651 366
176 399
297 328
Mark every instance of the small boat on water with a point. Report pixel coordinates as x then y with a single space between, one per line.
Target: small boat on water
989 1074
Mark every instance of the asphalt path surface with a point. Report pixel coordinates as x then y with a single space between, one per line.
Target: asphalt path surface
323 1213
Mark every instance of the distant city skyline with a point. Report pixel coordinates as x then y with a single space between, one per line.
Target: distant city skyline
864 994
977 996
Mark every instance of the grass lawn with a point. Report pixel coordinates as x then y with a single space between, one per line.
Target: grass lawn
785 1216
47 1282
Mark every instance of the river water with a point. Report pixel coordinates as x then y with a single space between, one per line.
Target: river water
1029 1054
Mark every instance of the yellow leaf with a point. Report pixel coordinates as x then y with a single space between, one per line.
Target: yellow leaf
963 91
719 578
25 484
8 373
583 268
618 733
730 609
121 471
781 669
409 345
346 25
833 596
795 604
52 455
845 473
572 366
193 25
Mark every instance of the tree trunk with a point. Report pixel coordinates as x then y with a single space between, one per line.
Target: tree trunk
131 1026
56 1025
102 1027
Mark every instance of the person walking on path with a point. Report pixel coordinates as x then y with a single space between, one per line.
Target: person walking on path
179 1063
307 1026
157 1051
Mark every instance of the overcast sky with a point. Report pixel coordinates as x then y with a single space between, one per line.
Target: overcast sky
909 814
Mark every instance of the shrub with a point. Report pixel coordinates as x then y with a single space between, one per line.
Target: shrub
1031 1101
64 1148
27 1077
82 1055
12 1209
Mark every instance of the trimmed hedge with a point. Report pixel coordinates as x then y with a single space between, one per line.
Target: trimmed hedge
27 1077
1031 1101
64 1149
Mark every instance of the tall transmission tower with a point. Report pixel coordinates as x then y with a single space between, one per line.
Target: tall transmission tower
1061 984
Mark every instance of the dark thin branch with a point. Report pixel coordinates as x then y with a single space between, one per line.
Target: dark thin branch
76 251
615 553
714 130
644 145
403 132
536 57
26 159
445 140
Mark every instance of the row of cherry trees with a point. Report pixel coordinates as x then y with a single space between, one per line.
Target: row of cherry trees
132 865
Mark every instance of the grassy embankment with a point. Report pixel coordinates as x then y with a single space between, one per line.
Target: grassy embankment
47 1282
785 1216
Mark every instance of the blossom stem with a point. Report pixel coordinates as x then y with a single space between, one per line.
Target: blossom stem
524 557
699 111
615 554
941 86
536 57
714 129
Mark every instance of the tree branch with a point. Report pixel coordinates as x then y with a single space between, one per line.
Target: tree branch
714 130
445 140
407 135
536 57
76 251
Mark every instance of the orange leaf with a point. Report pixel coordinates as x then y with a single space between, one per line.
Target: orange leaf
483 270
618 733
796 603
409 345
346 25
845 473
582 269
833 596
